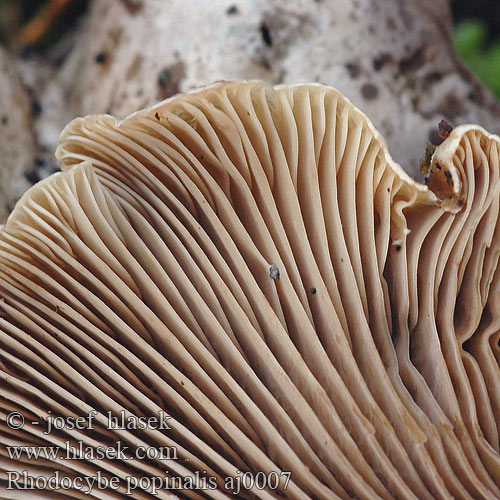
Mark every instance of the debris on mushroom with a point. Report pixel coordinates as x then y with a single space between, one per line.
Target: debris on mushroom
274 272
425 162
444 129
135 289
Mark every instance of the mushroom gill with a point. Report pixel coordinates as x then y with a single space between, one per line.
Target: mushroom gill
251 262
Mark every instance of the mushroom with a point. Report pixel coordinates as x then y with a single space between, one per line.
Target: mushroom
240 290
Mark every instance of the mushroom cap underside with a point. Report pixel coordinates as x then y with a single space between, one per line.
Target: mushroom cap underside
251 262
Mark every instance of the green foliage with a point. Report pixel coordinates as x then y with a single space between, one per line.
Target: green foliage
483 58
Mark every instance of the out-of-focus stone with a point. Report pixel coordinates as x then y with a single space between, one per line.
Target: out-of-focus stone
17 149
393 59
